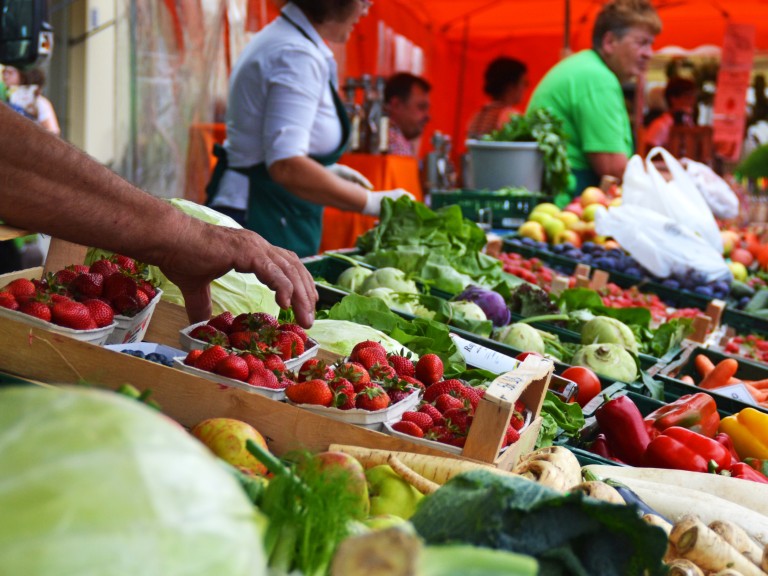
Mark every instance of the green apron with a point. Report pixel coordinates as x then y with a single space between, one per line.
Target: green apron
283 218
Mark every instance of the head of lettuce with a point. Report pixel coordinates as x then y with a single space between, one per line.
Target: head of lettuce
94 483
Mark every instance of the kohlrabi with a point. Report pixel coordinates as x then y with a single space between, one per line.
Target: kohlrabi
468 310
391 278
352 278
608 360
605 330
521 336
491 302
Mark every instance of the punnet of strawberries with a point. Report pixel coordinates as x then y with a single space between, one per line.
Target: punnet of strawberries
83 297
256 332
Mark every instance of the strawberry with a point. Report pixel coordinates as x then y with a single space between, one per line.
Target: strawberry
310 392
264 378
222 322
451 386
353 356
458 419
210 357
118 285
372 398
192 357
86 286
101 312
511 436
421 419
147 287
252 361
370 356
413 382
35 308
22 289
434 413
274 362
142 299
64 277
232 367
209 334
253 321
314 369
381 372
439 433
8 301
456 440
295 328
104 267
517 421
126 263
355 373
472 395
343 393
445 402
244 340
429 369
72 315
519 406
409 428
402 365
398 395
289 344
79 268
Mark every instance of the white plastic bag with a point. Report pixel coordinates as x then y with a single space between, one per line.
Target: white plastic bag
719 197
663 246
679 199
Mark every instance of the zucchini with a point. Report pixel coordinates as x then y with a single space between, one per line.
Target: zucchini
758 302
740 289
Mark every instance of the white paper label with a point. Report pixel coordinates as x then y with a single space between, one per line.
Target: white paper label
737 392
484 358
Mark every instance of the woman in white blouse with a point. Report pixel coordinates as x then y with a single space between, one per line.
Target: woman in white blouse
25 96
286 129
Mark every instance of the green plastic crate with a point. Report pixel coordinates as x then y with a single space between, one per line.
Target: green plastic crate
500 210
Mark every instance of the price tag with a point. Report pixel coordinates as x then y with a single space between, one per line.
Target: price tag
506 387
484 358
737 392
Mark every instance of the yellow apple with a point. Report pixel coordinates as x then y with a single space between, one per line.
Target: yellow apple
615 202
592 195
730 241
226 438
553 227
738 270
533 230
540 217
568 236
568 218
590 211
547 208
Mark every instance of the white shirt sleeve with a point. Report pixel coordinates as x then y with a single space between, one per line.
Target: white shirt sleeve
293 97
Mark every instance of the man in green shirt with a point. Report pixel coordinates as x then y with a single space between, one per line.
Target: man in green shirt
585 90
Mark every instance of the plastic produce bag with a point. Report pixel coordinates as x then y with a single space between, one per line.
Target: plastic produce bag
679 199
235 291
663 246
719 197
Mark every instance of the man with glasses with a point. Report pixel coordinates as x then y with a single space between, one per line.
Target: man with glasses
585 90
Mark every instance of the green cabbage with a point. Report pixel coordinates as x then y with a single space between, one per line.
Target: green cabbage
340 336
96 484
235 291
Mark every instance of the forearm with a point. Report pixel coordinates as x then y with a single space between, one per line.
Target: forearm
311 181
49 186
608 164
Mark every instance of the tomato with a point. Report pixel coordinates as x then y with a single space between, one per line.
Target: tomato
523 355
586 380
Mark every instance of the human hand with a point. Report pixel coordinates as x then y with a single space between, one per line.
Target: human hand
215 250
373 203
351 175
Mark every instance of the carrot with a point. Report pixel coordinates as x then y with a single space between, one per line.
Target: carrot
759 384
720 374
758 395
703 365
688 379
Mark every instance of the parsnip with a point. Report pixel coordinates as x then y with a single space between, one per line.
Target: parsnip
561 457
434 468
599 490
764 561
671 553
739 539
744 492
683 567
674 502
727 572
544 473
413 478
695 541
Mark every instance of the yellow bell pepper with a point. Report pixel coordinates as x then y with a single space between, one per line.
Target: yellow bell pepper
749 431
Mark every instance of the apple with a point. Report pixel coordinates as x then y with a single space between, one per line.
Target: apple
226 438
738 270
592 195
540 217
569 236
546 208
575 207
742 255
568 218
357 482
615 202
730 241
532 230
553 227
390 494
590 211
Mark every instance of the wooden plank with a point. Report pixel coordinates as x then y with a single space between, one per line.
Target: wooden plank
582 270
28 273
62 253
582 281
715 311
559 284
701 326
599 279
9 232
48 357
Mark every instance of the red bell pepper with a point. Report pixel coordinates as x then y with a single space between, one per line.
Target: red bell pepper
697 412
758 464
682 449
746 472
726 441
622 423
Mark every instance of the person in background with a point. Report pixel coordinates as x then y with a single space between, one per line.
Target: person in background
585 90
287 128
25 96
680 95
656 104
49 186
406 100
506 80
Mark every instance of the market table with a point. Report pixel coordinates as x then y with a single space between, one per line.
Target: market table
386 172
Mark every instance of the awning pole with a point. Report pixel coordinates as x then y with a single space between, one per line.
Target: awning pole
460 90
